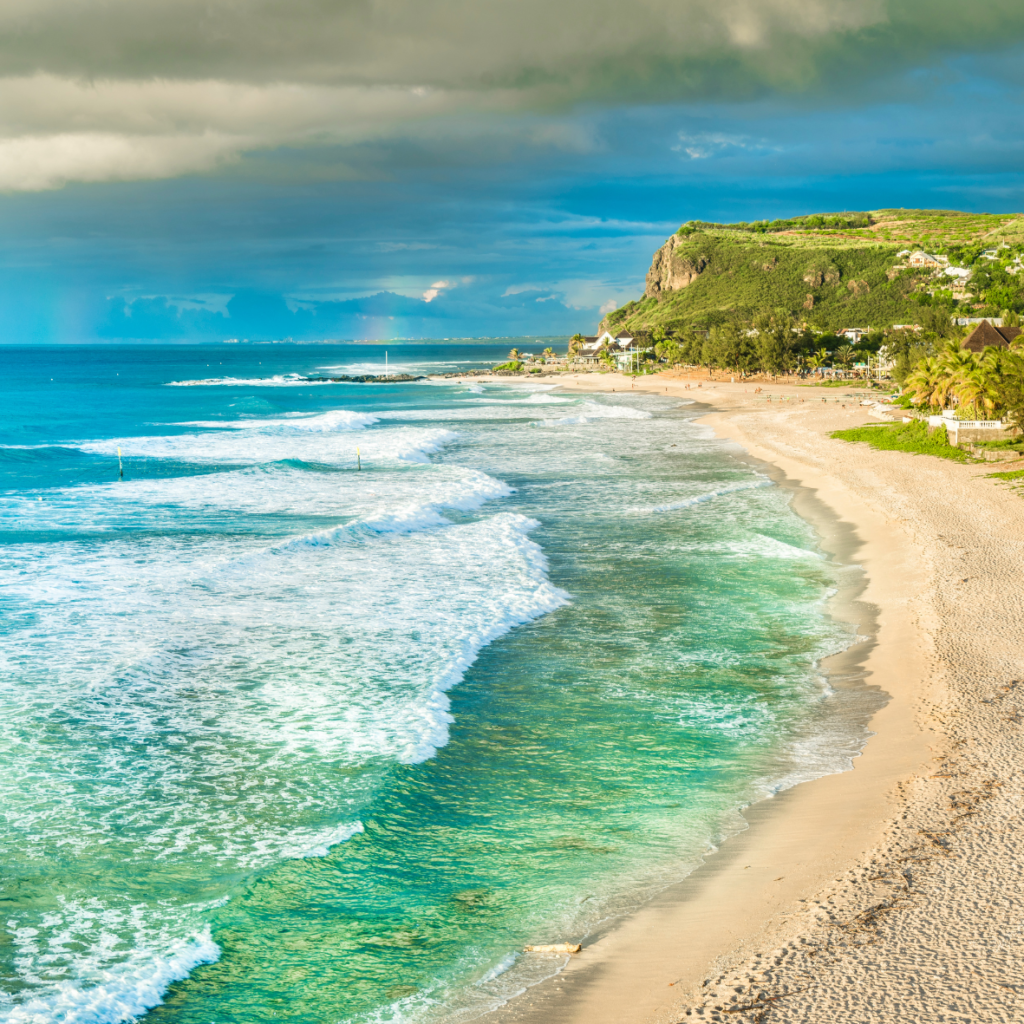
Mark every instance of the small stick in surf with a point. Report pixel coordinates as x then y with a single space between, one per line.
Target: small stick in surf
120 466
359 462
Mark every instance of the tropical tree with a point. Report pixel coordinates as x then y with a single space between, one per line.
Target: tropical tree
514 355
976 389
670 351
818 359
549 353
844 354
725 347
575 345
928 383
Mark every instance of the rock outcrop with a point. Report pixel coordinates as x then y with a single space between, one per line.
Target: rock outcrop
819 275
670 272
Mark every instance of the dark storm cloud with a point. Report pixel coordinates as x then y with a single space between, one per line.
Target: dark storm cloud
141 89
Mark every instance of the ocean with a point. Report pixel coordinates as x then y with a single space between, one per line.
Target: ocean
319 701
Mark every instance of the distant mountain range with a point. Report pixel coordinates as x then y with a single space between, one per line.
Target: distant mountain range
830 270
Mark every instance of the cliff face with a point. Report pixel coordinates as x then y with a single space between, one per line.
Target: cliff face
671 271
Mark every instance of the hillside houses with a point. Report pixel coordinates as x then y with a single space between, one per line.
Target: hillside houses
920 258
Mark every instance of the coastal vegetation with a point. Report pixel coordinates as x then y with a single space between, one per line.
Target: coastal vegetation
775 296
986 385
905 437
1010 476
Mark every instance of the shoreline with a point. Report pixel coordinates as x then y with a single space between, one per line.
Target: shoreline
816 894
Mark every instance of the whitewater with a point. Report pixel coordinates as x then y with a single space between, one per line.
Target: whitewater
343 694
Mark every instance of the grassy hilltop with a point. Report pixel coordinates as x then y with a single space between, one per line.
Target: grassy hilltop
827 270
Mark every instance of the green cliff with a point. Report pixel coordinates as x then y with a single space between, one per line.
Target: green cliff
828 270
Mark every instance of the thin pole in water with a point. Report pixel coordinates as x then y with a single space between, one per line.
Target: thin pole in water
120 466
385 362
359 462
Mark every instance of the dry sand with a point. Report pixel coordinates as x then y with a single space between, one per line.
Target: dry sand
893 892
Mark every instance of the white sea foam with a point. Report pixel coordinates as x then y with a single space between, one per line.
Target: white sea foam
503 965
336 419
279 380
534 398
115 993
523 409
225 659
762 546
370 499
697 499
311 843
592 412
249 446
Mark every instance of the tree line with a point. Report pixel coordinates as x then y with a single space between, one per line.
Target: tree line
770 343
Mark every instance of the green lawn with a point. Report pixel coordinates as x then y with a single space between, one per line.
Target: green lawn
905 437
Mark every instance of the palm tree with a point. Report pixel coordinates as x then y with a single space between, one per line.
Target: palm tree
976 391
928 384
977 387
818 359
549 353
514 355
845 355
575 344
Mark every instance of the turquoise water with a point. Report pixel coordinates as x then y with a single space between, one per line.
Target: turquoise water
284 739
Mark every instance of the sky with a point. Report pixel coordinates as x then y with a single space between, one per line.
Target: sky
196 170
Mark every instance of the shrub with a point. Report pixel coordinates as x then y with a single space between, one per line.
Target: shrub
904 437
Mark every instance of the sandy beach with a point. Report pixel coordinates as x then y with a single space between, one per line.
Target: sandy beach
890 892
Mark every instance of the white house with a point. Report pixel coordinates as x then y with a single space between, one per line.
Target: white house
920 258
853 334
617 344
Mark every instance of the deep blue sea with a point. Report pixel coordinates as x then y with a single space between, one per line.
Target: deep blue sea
345 692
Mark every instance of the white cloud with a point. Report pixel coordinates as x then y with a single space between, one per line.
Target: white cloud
608 306
37 162
55 130
437 288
